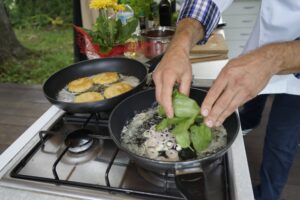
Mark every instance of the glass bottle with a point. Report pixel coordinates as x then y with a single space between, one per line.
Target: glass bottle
165 13
126 14
142 20
173 6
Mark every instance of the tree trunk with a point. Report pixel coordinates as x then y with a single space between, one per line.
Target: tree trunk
9 45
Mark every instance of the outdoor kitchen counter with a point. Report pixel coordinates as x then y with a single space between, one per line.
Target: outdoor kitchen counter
204 73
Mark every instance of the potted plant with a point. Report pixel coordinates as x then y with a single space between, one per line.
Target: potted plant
108 35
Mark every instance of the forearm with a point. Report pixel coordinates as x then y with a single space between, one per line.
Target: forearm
285 56
188 32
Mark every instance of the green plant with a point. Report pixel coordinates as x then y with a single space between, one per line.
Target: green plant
33 13
139 6
109 31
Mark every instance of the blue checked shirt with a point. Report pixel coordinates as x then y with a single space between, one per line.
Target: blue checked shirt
207 13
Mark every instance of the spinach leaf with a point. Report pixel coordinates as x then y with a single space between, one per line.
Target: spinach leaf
161 111
183 125
184 106
181 132
188 122
168 122
183 139
201 137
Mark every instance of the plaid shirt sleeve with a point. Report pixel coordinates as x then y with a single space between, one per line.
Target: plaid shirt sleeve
205 11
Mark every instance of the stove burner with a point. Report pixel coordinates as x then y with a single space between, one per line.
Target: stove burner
79 141
164 180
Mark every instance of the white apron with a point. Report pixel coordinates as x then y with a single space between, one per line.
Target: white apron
279 21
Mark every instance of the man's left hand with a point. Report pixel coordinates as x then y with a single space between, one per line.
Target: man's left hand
239 81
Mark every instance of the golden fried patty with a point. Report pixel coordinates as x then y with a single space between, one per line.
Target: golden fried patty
88 97
116 89
105 78
80 85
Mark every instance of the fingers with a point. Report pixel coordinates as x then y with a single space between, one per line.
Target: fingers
185 84
212 95
166 95
166 75
158 85
230 99
237 101
164 83
221 104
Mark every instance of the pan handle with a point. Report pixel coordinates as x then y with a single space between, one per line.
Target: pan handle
152 63
193 179
191 183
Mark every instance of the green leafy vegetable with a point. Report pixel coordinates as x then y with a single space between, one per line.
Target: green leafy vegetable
181 132
184 106
201 137
187 122
168 122
161 111
183 126
183 139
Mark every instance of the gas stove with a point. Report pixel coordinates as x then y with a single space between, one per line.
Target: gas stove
73 156
76 153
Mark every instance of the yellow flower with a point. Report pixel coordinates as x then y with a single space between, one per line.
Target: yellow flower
119 7
101 4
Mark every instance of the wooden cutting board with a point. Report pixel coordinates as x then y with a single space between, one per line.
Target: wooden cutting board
215 45
215 49
209 58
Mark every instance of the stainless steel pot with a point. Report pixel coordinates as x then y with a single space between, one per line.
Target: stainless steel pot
156 40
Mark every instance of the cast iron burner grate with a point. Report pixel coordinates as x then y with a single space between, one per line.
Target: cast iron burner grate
94 138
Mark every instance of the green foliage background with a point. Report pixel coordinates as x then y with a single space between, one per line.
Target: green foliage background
51 50
45 28
39 13
139 6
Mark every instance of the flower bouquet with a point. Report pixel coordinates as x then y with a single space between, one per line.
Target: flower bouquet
109 34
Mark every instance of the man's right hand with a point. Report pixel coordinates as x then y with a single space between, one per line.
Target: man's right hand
175 67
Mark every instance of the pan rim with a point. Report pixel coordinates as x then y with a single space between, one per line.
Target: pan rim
179 164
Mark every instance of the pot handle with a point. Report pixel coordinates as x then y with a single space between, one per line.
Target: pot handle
152 63
191 183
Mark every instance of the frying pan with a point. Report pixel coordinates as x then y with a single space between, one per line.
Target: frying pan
60 79
138 102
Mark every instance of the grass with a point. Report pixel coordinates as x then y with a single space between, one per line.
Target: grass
52 49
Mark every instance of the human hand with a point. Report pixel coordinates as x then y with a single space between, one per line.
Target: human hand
175 67
239 81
